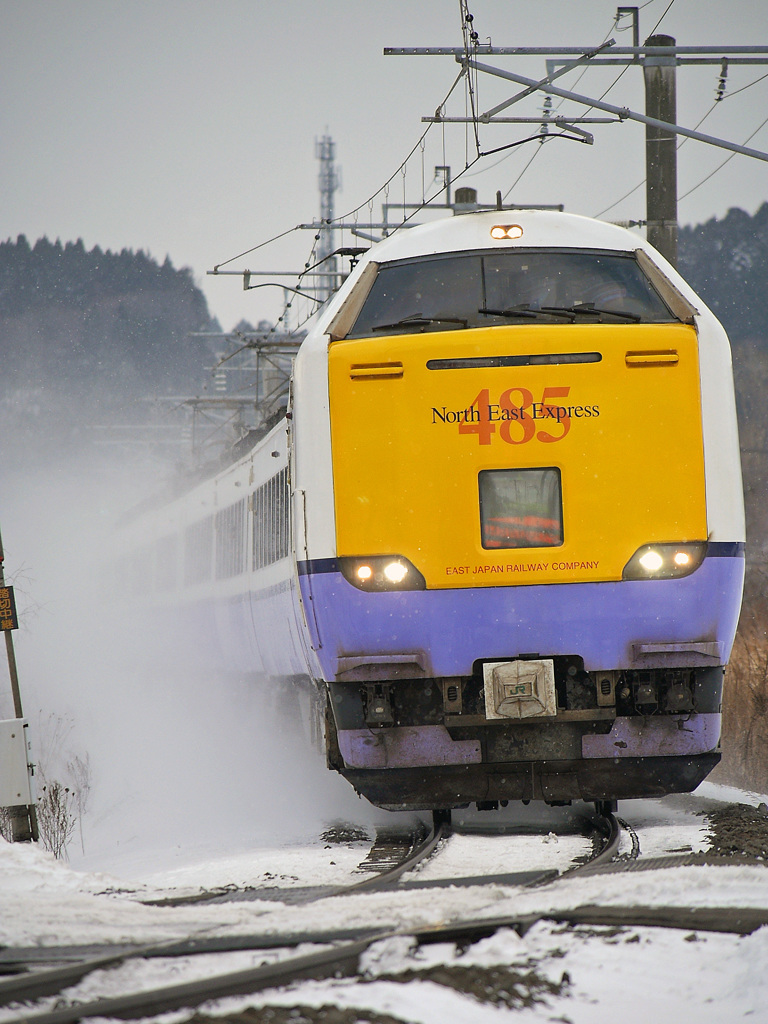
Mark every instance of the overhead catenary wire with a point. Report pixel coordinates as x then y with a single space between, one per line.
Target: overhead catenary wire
470 42
642 182
616 80
261 245
749 85
721 165
368 202
470 46
559 105
683 141
391 178
666 12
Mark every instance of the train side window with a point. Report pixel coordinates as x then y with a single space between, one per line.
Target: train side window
271 522
257 508
270 504
230 540
521 508
283 514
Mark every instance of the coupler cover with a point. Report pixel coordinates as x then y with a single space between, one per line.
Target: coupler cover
520 689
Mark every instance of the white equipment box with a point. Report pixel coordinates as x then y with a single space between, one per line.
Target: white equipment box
15 782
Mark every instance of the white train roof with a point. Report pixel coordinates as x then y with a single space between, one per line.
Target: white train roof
473 231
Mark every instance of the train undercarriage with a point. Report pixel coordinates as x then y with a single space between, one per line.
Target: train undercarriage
419 744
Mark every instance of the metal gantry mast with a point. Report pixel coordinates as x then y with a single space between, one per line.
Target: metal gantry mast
329 181
271 349
323 275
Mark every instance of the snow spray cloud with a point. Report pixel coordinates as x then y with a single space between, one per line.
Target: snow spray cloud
181 759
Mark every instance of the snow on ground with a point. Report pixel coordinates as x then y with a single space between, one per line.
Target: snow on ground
581 974
636 977
469 855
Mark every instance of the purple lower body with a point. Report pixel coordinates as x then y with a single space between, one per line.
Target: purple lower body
623 625
427 745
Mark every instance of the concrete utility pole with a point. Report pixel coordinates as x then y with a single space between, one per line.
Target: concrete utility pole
660 73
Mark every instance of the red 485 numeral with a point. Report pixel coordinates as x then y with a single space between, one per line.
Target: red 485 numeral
518 417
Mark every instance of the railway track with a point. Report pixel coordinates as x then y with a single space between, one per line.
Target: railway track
341 948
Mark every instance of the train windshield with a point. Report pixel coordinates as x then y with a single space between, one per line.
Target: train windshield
455 291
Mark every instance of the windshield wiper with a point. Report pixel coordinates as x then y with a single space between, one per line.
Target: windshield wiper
524 310
417 320
589 308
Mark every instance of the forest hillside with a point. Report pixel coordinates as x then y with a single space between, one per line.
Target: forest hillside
726 261
88 337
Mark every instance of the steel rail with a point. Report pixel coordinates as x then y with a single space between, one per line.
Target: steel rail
441 828
41 983
344 959
378 880
334 961
610 850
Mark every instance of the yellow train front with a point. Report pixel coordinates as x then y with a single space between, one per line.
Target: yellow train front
520 532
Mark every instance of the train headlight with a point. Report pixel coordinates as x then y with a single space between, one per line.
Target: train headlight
506 231
395 572
382 572
651 561
665 561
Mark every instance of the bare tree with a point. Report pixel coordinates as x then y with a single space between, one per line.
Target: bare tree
56 817
79 771
64 786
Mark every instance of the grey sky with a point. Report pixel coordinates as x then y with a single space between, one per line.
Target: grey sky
187 127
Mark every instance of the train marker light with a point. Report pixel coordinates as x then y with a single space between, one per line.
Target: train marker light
500 231
381 572
665 561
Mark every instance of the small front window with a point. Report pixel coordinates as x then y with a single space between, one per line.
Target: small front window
521 508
